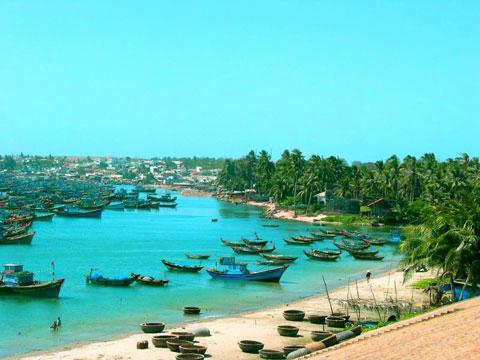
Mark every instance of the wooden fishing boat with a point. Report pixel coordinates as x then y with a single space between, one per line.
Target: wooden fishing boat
197 256
167 198
19 282
351 245
239 271
117 206
279 257
244 250
318 236
97 279
255 242
168 205
297 242
148 280
183 268
77 213
322 255
271 225
273 262
303 238
21 239
261 249
363 252
378 241
232 244
367 257
44 217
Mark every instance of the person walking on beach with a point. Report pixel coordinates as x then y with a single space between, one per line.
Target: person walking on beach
368 275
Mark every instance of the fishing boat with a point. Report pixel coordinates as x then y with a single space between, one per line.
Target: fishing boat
363 252
271 225
304 238
360 256
254 242
273 262
239 271
232 244
318 236
72 212
116 206
183 268
148 280
168 205
21 239
197 256
323 255
167 198
261 249
351 245
44 217
244 250
297 242
279 257
97 279
16 281
378 241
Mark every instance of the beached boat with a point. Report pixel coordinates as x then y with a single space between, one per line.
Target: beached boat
44 217
97 279
148 280
16 281
183 268
323 255
239 271
21 239
197 256
77 213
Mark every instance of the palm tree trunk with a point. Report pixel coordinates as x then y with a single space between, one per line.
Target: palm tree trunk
464 287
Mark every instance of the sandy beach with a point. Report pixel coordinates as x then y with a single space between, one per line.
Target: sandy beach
271 210
259 325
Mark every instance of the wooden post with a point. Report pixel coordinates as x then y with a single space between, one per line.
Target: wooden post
328 295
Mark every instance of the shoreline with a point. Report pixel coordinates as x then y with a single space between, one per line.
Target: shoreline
228 330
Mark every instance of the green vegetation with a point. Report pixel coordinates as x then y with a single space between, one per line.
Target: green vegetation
347 219
425 283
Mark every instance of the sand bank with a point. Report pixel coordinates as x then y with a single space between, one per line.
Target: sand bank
259 325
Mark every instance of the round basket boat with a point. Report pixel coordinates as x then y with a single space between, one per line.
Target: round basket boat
152 327
189 357
160 341
174 344
271 354
317 319
341 314
250 346
287 330
293 315
288 349
335 321
320 335
193 349
191 310
184 335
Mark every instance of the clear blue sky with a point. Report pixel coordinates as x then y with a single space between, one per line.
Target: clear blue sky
358 79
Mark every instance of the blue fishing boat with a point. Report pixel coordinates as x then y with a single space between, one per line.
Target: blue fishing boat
238 271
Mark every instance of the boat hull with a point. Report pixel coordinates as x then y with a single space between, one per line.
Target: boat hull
81 214
23 239
270 275
49 289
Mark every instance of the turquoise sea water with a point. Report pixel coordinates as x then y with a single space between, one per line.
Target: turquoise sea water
136 241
